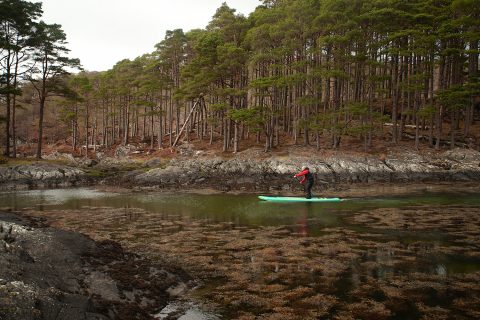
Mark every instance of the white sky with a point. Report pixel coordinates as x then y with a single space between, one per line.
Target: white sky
102 32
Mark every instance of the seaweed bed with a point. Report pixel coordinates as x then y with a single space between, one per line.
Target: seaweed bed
416 262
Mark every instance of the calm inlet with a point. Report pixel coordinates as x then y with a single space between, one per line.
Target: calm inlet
391 257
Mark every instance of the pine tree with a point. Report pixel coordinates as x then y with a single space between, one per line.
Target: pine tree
51 68
17 19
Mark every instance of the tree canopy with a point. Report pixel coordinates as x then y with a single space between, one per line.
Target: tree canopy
301 71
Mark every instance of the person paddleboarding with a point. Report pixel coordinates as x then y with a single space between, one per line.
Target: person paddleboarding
307 181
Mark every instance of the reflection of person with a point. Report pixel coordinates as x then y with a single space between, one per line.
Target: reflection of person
307 181
302 221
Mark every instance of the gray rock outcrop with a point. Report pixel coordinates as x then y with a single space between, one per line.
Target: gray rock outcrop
276 173
40 175
250 170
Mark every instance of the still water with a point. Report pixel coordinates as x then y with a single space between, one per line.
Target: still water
243 210
384 256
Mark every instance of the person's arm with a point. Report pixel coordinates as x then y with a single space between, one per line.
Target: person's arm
303 173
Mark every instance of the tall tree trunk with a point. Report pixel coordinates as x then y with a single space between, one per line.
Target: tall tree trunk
170 119
94 133
429 97
472 74
87 120
439 113
452 129
104 122
127 122
235 137
152 127
40 127
395 99
75 128
14 129
8 104
14 107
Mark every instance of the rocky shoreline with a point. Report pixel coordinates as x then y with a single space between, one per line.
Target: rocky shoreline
48 273
252 173
42 175
252 170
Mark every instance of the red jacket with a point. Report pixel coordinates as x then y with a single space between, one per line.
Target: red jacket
304 174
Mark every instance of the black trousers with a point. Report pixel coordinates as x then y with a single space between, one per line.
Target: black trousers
308 189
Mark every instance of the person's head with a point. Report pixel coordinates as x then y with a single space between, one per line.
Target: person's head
304 168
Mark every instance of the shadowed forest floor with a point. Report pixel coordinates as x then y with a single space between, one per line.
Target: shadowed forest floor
349 144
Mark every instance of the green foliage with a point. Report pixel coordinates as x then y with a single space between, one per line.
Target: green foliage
221 106
416 83
357 109
251 117
308 101
291 80
10 90
358 129
427 111
264 83
456 97
143 103
230 92
304 63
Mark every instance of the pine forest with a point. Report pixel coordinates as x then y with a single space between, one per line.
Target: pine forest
319 73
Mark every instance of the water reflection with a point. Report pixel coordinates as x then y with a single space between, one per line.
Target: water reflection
241 210
301 222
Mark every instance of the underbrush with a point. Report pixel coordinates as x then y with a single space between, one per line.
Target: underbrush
29 161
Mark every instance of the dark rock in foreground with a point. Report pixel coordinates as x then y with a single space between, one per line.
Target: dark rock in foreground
47 273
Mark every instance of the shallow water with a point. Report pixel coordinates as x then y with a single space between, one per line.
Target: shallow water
242 210
405 256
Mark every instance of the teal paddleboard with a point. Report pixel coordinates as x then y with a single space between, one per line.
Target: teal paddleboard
298 199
